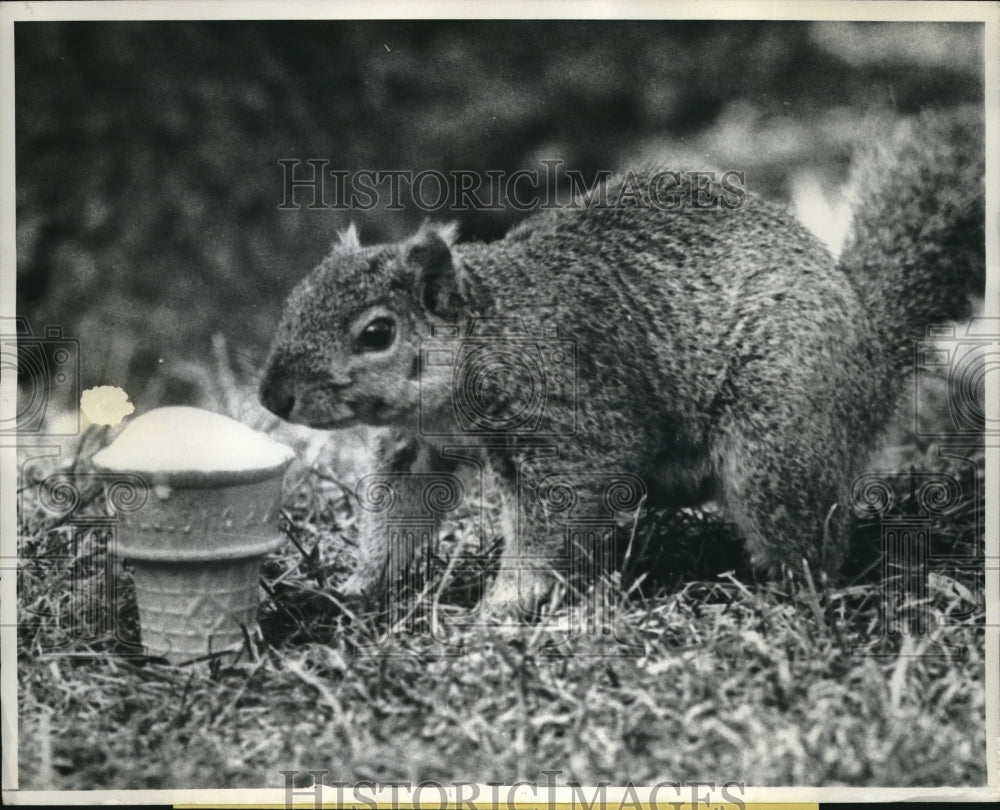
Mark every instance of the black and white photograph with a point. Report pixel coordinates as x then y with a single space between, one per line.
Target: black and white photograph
477 407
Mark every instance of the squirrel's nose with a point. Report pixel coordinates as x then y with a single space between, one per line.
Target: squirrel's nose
276 394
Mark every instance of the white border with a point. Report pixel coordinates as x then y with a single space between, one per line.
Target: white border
11 12
8 411
991 54
847 10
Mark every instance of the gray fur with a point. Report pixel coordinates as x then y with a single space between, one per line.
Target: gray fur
720 352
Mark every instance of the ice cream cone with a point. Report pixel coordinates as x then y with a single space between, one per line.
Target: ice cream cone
197 542
190 611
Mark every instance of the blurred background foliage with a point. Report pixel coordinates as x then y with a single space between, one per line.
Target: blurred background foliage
148 181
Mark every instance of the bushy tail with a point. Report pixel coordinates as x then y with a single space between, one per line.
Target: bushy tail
916 247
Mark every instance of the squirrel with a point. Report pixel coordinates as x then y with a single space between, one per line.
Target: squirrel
720 352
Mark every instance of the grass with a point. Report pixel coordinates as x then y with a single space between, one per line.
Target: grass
712 675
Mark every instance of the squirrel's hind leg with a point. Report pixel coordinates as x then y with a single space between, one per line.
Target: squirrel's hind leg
786 499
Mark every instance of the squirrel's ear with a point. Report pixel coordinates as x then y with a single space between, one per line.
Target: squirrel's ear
349 239
448 231
437 280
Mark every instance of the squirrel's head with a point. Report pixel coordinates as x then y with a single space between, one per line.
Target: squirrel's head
348 346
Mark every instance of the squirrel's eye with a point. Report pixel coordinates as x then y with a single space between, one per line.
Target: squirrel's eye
376 336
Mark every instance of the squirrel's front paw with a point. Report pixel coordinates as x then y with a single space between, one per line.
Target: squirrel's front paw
516 595
359 589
